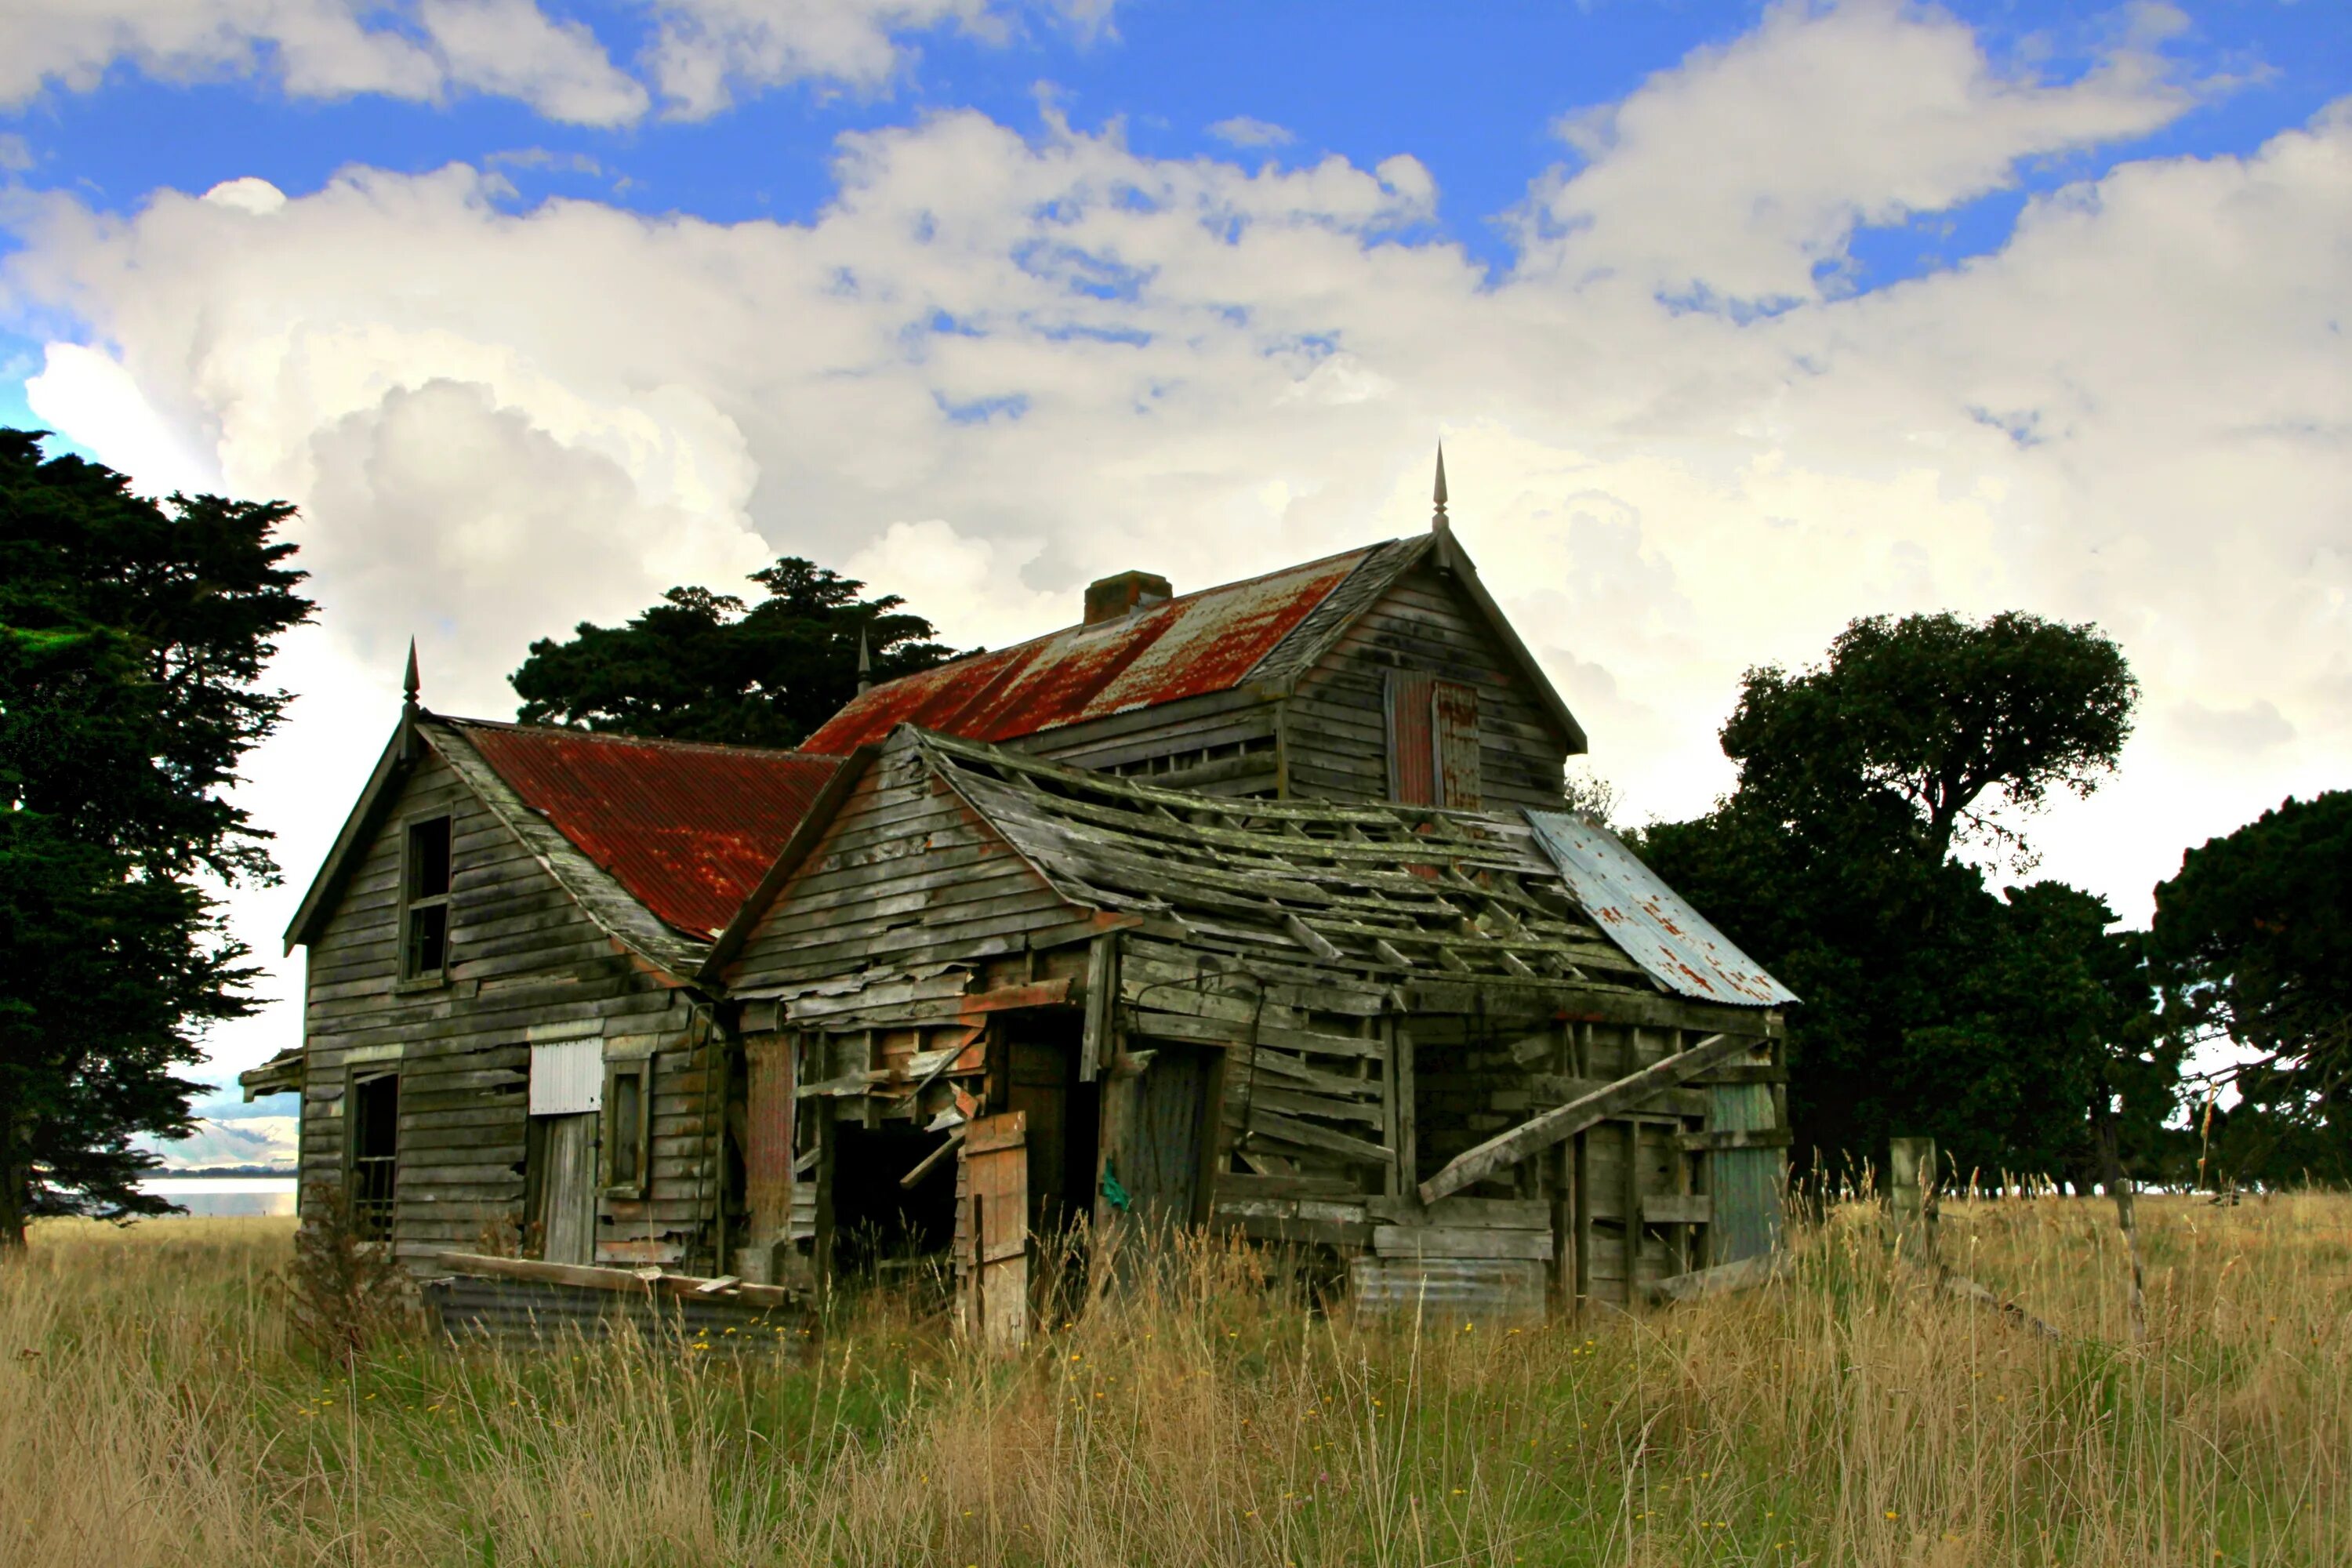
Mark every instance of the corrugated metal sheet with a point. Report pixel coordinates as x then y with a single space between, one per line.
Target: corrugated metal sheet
530 1314
1649 919
1187 647
687 829
1455 715
1412 747
1447 1291
567 1077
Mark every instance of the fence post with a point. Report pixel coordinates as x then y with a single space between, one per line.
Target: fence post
1911 1194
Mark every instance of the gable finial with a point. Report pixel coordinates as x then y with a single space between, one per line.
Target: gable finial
865 662
409 684
1438 523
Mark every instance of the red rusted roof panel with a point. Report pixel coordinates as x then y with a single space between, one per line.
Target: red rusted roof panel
687 829
1187 647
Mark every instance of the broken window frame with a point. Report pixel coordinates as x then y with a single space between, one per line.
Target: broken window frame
626 1133
369 1210
1424 716
419 909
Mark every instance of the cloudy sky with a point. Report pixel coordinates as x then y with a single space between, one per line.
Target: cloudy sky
1738 320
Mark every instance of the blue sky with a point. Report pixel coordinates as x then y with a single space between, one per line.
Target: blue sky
1739 320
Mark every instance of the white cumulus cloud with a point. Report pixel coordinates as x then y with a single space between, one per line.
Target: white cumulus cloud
997 366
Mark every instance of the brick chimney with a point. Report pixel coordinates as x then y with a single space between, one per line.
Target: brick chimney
1112 598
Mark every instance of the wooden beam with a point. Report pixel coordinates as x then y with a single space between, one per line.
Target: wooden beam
1542 1132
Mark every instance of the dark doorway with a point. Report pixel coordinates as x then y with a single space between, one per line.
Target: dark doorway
1064 1119
878 1226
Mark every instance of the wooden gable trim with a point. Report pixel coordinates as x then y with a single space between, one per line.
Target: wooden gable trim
1455 562
358 831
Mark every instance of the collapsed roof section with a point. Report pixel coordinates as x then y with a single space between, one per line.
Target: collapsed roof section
1409 894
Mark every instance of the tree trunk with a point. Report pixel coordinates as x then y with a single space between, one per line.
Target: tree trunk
2120 1187
15 1180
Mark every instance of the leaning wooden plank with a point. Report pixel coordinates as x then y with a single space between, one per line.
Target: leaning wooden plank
929 1161
1717 1142
1760 1270
1278 1129
1542 1132
626 1281
1970 1291
1456 1241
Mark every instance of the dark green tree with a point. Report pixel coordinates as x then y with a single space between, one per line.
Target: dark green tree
1834 863
2253 942
132 641
704 666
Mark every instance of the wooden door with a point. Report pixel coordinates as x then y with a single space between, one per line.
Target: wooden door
768 1135
567 1189
1747 1183
992 1231
1164 1147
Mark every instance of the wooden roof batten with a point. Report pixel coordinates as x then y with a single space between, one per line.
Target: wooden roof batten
1393 894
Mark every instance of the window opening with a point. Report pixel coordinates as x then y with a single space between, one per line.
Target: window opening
424 900
1432 731
628 1126
374 1128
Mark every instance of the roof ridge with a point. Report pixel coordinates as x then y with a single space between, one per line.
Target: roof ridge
618 738
1366 551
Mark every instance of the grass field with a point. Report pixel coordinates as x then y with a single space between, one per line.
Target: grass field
152 1411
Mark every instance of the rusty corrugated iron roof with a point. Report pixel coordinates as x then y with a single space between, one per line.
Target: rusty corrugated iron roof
1649 919
1187 647
687 829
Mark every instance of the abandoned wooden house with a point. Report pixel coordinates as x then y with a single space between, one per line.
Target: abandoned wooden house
1485 1058
500 1032
1254 908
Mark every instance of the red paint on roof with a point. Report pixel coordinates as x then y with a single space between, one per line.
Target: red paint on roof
687 829
1186 646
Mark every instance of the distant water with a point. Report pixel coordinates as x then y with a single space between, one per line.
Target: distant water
225 1197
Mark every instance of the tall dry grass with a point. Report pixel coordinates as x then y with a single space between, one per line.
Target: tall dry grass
153 1412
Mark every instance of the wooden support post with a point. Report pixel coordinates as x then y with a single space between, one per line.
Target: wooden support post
1911 1186
1632 1212
1102 1006
1408 1150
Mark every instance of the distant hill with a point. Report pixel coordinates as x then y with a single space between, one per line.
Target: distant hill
257 1144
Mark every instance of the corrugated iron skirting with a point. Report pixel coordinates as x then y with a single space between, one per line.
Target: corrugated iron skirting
528 1314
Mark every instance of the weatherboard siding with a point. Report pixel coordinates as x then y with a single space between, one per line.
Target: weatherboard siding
906 875
1336 726
522 958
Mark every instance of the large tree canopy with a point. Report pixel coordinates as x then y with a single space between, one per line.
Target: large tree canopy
1921 719
1998 1024
133 640
702 666
2254 939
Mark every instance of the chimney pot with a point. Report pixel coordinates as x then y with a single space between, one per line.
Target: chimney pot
1112 598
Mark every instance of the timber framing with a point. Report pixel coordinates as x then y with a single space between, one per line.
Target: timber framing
1407 1042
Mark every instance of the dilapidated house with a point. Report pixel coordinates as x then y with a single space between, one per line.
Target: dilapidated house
1255 908
1337 1024
501 1033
